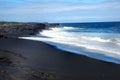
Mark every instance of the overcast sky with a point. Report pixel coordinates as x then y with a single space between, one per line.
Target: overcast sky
60 10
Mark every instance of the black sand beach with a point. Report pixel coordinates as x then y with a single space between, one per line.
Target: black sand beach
35 60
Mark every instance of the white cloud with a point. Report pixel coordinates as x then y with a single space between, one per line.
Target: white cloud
42 8
77 17
65 11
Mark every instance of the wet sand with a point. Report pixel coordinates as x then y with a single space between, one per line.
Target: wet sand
35 60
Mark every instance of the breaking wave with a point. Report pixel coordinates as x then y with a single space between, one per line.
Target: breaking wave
103 46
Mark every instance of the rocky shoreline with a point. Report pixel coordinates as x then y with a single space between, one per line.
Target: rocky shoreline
15 29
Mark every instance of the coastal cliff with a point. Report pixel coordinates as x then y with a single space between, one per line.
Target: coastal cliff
16 29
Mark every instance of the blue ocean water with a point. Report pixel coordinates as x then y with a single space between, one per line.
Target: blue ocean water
97 40
103 27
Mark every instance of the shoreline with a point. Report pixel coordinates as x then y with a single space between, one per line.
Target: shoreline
92 53
39 56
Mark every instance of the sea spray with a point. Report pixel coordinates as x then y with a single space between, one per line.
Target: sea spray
100 41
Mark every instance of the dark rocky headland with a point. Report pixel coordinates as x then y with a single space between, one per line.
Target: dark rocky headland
15 29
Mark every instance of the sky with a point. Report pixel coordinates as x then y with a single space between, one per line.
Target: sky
54 11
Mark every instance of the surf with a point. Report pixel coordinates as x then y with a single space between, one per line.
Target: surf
89 41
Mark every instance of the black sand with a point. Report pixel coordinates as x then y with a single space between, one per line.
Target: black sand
34 60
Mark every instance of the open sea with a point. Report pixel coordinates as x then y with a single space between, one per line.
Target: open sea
96 40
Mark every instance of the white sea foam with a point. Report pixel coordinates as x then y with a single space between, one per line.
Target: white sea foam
102 46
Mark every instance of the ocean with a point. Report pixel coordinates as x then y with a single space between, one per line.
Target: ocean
99 40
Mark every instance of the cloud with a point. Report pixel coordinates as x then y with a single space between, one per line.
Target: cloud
42 8
64 10
77 17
